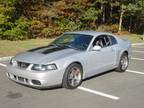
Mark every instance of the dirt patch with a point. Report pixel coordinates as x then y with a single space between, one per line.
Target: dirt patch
13 95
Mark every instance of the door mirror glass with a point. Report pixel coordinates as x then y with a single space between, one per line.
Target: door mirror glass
96 48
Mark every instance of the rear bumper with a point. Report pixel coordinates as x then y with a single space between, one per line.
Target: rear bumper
34 78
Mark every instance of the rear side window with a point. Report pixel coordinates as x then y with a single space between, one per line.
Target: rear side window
102 40
113 40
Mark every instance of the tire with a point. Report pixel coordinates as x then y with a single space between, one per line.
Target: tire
123 63
72 76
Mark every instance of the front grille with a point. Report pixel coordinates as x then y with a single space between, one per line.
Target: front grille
22 65
21 79
18 78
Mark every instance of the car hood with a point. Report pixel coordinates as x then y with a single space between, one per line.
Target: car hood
44 55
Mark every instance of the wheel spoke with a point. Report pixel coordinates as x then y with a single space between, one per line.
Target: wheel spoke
124 62
72 82
74 76
70 76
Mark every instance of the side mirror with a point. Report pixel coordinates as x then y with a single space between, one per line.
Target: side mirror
96 48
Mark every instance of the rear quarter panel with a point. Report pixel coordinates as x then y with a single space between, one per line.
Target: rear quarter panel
124 45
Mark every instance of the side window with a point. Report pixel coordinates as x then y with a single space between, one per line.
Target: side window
98 41
113 40
102 41
107 41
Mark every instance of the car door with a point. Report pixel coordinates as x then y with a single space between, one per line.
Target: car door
103 60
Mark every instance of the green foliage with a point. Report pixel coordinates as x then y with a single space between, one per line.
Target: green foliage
68 25
22 19
90 14
11 28
47 32
6 13
36 28
18 32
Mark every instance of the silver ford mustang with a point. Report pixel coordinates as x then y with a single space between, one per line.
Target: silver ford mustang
69 59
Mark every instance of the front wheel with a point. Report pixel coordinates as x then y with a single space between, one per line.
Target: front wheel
73 76
123 63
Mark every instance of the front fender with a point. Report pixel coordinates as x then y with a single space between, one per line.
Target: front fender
71 60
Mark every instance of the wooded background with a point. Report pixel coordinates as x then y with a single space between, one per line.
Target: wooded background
26 19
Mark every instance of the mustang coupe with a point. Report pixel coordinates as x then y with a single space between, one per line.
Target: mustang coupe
69 59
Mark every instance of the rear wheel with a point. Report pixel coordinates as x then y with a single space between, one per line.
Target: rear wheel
123 63
73 76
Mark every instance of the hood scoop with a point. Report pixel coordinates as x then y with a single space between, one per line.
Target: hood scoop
47 49
53 50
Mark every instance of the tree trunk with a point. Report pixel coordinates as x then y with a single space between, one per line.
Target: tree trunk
93 23
121 19
130 24
103 18
103 13
111 13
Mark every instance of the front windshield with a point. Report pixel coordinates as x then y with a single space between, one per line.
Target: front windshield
77 41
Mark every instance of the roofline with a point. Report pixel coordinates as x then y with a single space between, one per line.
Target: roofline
92 33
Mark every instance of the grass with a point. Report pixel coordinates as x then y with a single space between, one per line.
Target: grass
9 48
133 38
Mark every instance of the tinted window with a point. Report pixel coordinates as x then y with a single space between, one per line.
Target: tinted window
102 41
78 41
113 40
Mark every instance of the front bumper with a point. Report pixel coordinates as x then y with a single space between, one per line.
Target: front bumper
36 79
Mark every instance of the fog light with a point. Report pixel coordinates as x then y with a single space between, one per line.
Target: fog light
26 80
36 82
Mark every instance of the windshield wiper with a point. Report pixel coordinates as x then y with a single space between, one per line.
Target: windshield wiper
69 46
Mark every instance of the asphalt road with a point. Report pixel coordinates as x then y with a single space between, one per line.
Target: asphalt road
110 90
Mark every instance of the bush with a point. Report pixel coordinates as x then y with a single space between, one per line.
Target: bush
47 32
68 25
108 28
50 32
16 32
36 28
1 33
112 28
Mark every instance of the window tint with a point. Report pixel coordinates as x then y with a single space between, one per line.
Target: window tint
102 41
107 40
113 40
98 41
77 41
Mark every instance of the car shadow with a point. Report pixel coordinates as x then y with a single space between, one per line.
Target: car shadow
100 74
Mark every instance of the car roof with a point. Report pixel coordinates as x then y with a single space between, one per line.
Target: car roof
93 33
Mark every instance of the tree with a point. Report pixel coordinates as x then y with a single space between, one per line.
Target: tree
12 25
122 11
103 3
113 3
90 16
127 9
47 18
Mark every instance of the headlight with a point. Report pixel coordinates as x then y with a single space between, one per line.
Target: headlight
13 62
39 67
